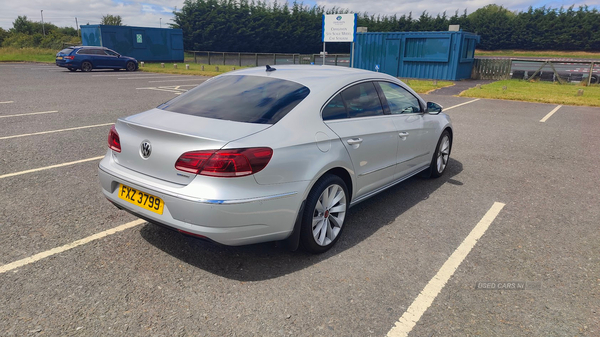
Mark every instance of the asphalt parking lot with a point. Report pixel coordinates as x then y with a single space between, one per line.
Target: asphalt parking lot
541 251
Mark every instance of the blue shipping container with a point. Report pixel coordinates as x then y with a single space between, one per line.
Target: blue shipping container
142 43
434 55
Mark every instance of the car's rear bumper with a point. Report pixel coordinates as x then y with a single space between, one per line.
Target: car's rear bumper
269 216
67 64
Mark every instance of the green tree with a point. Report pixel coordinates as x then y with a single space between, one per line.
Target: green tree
3 35
495 26
111 20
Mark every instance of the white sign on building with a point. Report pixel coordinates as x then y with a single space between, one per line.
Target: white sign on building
339 27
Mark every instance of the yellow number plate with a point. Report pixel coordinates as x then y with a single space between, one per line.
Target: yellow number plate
59 58
139 198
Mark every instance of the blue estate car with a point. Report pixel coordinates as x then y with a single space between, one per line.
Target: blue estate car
87 58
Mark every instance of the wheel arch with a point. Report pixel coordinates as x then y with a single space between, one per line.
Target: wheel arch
449 129
339 171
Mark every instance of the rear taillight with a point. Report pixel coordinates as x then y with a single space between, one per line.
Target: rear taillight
69 57
225 163
114 143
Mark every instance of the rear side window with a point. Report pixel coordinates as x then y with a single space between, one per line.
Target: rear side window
66 51
248 99
335 109
91 52
362 100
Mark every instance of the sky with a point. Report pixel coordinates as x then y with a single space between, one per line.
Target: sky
155 13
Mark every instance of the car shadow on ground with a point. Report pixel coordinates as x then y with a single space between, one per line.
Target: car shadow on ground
270 260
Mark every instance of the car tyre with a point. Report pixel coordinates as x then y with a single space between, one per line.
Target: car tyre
130 66
324 214
86 66
72 69
441 156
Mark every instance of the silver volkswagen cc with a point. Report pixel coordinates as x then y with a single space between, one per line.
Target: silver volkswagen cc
273 154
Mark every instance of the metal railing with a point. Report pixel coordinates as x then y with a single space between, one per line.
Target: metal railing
553 70
261 59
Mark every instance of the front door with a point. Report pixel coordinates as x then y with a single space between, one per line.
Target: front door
409 120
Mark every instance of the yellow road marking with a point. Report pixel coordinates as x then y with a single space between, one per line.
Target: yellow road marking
412 315
49 167
57 250
543 120
54 131
461 104
29 114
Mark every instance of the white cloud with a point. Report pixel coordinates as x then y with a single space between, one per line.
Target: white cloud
146 13
434 7
63 12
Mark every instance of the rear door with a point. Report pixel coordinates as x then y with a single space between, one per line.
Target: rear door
356 115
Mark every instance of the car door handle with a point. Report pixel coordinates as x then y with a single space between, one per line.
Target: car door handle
403 134
354 141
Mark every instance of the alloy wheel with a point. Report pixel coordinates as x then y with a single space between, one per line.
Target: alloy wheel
443 154
329 214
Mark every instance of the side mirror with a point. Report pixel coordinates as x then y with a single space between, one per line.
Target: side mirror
434 108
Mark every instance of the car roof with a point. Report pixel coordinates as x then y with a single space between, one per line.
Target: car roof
81 47
315 77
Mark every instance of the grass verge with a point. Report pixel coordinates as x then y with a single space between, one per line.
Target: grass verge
195 69
539 53
8 54
425 86
538 92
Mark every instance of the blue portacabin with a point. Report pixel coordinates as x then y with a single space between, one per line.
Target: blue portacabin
142 43
431 55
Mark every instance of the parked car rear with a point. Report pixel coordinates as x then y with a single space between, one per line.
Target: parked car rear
87 58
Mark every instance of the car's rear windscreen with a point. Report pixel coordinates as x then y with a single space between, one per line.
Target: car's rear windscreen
240 98
65 51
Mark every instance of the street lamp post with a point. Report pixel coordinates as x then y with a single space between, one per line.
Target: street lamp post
43 29
160 22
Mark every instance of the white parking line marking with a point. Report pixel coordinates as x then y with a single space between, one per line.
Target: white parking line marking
543 120
54 131
58 250
49 167
7 102
461 104
191 79
30 113
412 315
145 77
159 89
131 75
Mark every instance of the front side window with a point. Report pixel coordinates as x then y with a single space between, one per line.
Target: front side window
110 52
362 100
248 99
399 99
